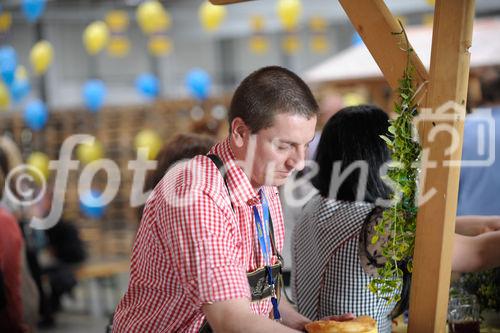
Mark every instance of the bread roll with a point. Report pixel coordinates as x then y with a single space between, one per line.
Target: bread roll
363 324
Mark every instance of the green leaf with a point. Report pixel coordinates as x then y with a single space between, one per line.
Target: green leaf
398 223
386 139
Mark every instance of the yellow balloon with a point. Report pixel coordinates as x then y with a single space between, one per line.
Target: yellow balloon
41 56
117 20
40 162
5 21
289 13
95 37
160 45
211 16
152 17
259 44
353 99
257 23
150 140
89 152
290 44
4 96
318 24
319 44
118 46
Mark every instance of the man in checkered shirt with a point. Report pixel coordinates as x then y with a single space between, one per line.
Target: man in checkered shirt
197 238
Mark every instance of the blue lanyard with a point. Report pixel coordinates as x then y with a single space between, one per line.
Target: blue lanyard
264 237
263 229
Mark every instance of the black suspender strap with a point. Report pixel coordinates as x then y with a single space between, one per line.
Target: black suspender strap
220 165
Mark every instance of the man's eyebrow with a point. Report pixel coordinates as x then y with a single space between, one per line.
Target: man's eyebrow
294 143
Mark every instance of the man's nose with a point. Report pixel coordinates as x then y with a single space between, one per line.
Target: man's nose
297 159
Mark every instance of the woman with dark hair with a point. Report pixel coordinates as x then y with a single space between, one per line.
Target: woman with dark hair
333 264
325 241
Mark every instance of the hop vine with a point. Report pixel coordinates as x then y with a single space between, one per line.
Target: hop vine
398 222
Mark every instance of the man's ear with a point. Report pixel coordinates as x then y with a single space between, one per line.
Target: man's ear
239 132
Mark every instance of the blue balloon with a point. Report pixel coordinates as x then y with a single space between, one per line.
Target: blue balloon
94 93
356 39
8 64
91 204
36 115
33 9
198 83
19 90
148 85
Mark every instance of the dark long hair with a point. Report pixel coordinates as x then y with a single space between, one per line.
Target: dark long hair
353 134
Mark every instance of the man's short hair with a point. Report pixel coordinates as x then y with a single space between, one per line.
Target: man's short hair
270 91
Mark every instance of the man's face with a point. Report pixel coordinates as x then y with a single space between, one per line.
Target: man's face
279 149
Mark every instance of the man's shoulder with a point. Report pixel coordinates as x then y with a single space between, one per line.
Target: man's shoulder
198 174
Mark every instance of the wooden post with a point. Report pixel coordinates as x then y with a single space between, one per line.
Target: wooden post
446 98
376 25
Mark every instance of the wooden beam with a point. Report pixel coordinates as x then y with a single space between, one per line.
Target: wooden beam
226 2
376 25
449 73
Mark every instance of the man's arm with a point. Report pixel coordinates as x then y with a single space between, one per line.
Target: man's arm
291 317
477 253
235 316
472 225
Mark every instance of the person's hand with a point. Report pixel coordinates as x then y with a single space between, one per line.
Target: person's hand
345 317
476 225
492 225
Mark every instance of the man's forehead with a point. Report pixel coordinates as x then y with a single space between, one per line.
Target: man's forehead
290 119
292 128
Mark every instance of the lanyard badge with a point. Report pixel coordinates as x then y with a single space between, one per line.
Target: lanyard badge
264 237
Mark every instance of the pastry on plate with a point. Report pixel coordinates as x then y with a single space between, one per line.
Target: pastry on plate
362 324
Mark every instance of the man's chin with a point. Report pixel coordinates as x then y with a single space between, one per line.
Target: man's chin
278 181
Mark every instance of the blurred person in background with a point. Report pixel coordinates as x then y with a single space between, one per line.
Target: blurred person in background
479 189
53 254
330 104
18 293
181 147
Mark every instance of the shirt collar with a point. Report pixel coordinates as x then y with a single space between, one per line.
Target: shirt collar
242 192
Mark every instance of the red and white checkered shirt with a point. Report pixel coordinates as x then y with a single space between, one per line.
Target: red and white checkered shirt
192 248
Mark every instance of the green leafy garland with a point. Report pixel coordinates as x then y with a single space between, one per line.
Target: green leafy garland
398 223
